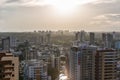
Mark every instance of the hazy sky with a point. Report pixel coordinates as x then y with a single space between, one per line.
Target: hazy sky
29 15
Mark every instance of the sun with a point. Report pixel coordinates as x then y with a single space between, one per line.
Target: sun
66 6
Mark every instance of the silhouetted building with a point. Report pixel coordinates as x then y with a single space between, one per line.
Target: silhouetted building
109 40
77 35
48 37
92 38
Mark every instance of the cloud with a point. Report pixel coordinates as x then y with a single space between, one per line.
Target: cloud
12 1
40 2
5 3
104 1
47 2
34 14
113 17
109 21
2 2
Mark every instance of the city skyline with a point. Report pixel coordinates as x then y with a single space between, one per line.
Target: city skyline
73 15
60 55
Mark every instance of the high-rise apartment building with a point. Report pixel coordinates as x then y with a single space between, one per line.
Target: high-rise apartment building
9 66
82 61
87 62
74 64
105 64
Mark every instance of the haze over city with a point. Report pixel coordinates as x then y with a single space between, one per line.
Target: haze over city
89 15
59 39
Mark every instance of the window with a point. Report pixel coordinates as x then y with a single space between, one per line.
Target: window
13 64
13 75
3 75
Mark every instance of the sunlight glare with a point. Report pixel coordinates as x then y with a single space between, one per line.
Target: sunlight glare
66 6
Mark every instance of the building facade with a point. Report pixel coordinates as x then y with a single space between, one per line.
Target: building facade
105 64
9 67
82 61
35 70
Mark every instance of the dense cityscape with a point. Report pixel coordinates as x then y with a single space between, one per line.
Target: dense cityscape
59 55
59 39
